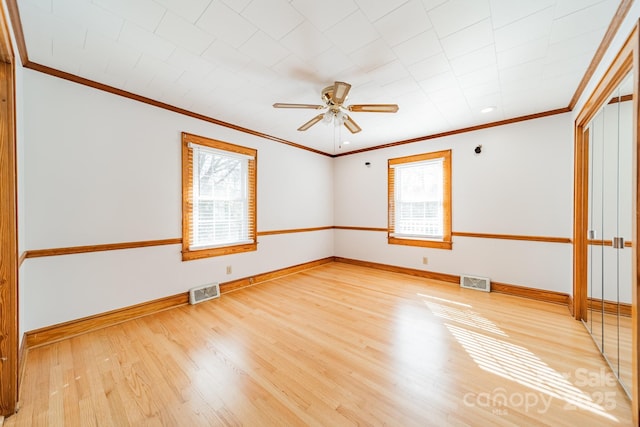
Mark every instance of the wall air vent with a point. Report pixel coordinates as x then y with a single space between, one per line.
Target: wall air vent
204 293
475 282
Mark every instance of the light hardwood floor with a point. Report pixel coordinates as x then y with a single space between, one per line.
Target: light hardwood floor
336 345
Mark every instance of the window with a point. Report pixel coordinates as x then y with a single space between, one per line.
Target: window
420 200
218 198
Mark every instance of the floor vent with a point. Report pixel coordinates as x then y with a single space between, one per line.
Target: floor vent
474 282
204 293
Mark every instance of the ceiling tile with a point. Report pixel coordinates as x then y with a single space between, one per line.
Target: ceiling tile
532 27
45 5
535 49
566 7
522 74
123 63
580 22
401 87
569 65
99 75
226 24
178 31
137 80
40 48
573 46
264 49
487 75
99 45
258 75
306 41
189 10
373 55
145 13
389 73
237 5
473 61
480 91
468 40
325 14
275 17
89 16
154 67
67 57
330 64
298 70
181 58
484 98
376 9
418 48
352 33
220 53
146 41
404 23
443 81
432 4
50 26
429 67
505 12
455 15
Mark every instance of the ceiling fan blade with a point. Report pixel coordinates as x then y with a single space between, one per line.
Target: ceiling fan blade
351 125
374 108
311 106
311 122
340 92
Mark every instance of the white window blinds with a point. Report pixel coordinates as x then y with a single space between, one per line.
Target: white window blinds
419 199
220 214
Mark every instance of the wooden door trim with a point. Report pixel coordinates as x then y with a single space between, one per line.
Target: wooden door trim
8 227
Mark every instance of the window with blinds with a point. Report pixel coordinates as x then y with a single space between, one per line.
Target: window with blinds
219 182
420 200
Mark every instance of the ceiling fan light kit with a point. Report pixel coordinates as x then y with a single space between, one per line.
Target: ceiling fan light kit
334 97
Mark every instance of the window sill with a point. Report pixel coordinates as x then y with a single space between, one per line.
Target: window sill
437 244
189 255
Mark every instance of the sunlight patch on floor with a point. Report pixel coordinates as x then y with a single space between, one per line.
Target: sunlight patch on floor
511 361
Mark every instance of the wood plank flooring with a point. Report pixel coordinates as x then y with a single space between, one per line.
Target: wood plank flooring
337 345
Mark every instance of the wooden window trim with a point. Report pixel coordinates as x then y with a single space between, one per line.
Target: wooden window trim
187 198
446 242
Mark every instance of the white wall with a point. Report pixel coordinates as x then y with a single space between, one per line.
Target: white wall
521 183
100 169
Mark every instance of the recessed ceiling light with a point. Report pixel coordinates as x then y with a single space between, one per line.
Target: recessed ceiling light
346 142
488 109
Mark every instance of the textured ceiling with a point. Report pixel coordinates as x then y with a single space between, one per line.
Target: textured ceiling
440 61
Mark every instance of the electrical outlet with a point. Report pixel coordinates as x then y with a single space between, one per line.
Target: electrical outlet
228 269
425 260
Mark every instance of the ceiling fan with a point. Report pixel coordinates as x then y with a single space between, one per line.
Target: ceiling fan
333 97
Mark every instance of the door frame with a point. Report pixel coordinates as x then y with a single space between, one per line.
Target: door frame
625 61
9 362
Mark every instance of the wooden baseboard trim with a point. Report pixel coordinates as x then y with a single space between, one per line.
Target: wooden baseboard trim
61 331
609 307
263 277
450 278
503 288
531 293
